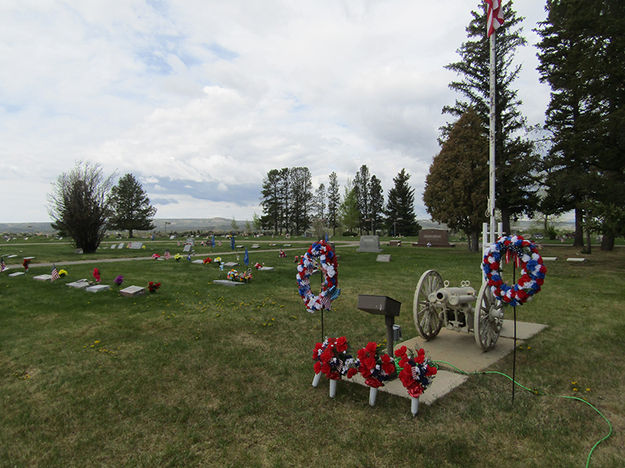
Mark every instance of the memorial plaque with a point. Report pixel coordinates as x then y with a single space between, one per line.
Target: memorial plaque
98 288
433 238
42 277
378 305
383 258
136 245
131 291
80 284
187 248
231 264
369 244
228 282
17 273
121 245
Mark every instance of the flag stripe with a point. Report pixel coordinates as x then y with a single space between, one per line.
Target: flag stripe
495 16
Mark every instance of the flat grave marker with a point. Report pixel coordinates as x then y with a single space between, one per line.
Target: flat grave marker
97 288
42 277
132 291
576 260
198 262
113 246
385 258
550 259
17 273
231 264
187 248
266 268
136 245
121 245
228 282
80 284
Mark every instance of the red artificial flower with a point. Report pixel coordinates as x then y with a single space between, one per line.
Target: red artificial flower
400 352
341 344
375 383
351 372
317 367
387 364
96 275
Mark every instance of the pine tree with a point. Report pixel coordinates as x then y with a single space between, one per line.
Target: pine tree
271 201
361 186
334 200
514 156
400 207
131 206
300 200
376 203
456 188
348 210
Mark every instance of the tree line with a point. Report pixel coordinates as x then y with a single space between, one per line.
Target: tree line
291 206
85 203
581 54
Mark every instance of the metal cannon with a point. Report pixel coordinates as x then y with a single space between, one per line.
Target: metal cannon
436 304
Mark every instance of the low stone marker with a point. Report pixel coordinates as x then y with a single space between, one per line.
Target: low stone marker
97 288
433 238
78 251
228 282
113 246
266 268
231 264
255 246
121 245
383 258
172 237
550 259
576 260
186 248
42 277
80 284
11 256
136 245
132 291
369 244
394 243
198 262
17 273
190 241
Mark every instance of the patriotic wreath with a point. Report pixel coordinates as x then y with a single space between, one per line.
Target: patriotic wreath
329 267
527 257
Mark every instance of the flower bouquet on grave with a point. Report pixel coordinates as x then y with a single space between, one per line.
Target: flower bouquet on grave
207 260
332 358
258 266
375 367
25 264
177 257
118 280
217 260
96 275
152 286
62 273
155 256
243 277
417 373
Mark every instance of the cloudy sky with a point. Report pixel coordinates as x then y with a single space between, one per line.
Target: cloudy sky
199 99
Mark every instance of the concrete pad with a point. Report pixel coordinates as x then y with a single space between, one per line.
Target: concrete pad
524 330
228 282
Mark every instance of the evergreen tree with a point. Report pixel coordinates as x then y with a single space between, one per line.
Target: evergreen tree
131 206
400 207
300 198
271 201
456 188
514 157
334 200
79 205
361 186
376 203
348 211
319 203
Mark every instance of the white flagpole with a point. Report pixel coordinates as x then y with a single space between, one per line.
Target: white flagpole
491 135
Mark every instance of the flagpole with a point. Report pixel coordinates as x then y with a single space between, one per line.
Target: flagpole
491 137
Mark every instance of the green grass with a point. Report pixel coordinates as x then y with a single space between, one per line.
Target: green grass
201 374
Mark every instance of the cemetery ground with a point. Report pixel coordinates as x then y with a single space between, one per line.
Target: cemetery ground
202 374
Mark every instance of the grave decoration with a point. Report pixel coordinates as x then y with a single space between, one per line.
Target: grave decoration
332 358
526 257
417 371
217 260
375 367
258 266
25 264
329 268
96 275
62 273
242 277
296 258
152 286
282 254
118 280
207 260
167 255
177 257
155 256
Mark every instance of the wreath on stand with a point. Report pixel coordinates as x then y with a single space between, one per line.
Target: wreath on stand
326 257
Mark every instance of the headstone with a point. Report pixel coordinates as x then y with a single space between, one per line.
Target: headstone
187 248
576 260
136 245
113 246
433 238
228 282
266 268
394 243
80 284
198 262
131 291
369 244
230 264
17 273
255 246
190 241
550 259
172 237
97 288
121 245
11 256
383 258
42 277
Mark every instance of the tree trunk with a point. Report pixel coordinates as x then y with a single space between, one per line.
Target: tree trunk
130 233
607 242
472 241
579 231
588 248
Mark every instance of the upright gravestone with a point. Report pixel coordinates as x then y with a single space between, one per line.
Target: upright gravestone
190 241
186 248
369 244
433 238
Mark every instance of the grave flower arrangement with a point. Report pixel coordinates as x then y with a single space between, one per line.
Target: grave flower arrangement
374 366
243 277
26 263
332 358
177 257
96 275
217 260
118 280
258 266
152 286
62 273
207 260
417 371
155 256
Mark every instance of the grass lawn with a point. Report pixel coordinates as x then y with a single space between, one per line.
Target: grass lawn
201 374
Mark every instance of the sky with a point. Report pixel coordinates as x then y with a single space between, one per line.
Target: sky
199 99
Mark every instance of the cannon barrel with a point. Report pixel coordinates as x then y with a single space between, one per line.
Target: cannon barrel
453 296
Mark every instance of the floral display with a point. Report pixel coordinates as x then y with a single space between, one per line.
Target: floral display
217 260
258 266
417 372
375 367
324 253
177 257
156 256
152 286
118 280
282 254
96 275
62 273
207 260
333 359
26 263
527 258
244 277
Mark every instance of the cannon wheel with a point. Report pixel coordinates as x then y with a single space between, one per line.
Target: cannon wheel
426 316
488 318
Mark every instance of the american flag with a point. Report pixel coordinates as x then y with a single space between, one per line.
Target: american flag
54 274
167 255
3 265
495 16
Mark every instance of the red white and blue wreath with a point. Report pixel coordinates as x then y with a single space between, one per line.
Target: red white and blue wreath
329 267
527 258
